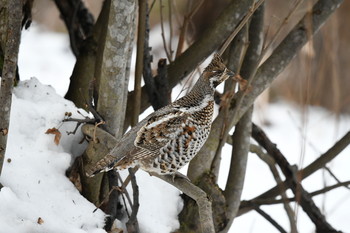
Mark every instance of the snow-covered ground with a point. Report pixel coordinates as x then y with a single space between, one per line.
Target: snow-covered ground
38 197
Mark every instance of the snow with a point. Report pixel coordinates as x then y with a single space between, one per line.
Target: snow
160 203
47 57
321 130
34 170
34 176
38 197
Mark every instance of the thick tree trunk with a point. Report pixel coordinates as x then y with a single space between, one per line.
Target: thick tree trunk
10 31
112 71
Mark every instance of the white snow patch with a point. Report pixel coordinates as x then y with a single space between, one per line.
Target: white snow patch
34 169
47 56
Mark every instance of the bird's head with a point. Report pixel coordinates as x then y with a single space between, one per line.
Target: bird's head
216 72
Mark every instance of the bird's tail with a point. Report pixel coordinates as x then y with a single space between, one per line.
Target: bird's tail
104 165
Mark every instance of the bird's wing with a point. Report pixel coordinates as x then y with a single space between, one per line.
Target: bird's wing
159 129
163 134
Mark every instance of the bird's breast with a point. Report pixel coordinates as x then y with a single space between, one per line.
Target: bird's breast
205 115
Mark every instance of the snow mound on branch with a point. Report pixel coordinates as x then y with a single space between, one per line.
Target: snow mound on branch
37 196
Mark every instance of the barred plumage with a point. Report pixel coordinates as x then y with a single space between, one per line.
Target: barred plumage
174 134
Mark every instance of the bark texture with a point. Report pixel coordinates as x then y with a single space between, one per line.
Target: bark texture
113 85
10 28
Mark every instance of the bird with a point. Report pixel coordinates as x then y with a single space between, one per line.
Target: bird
171 136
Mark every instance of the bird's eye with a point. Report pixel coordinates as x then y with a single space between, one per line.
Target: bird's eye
217 72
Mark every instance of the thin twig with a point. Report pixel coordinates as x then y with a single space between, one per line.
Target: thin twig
170 29
152 4
132 224
176 11
86 120
240 25
96 126
152 92
139 60
322 160
272 165
225 127
162 28
333 175
187 19
307 171
270 219
124 191
246 85
331 187
279 29
272 201
305 201
106 198
128 178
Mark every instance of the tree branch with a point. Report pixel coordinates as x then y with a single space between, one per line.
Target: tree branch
321 161
141 31
246 18
272 201
235 59
236 176
283 54
307 171
211 39
116 57
157 90
86 73
266 73
241 136
132 223
11 19
194 192
272 165
270 219
198 195
78 20
306 201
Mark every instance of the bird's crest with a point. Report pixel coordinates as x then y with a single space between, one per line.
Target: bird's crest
216 64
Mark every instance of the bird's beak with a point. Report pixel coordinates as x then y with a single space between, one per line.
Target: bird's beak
230 73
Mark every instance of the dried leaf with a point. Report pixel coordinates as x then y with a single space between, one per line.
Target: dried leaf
243 84
40 221
57 134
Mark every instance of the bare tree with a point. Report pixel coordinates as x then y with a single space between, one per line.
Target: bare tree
99 83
